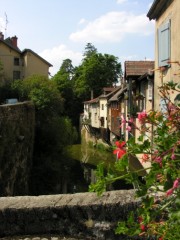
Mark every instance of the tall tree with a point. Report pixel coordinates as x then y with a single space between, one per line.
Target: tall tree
96 71
65 83
89 50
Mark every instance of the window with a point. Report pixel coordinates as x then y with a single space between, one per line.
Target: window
16 75
142 98
102 106
150 90
164 44
95 117
102 121
16 61
163 105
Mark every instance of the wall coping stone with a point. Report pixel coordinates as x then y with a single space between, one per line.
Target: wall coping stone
76 215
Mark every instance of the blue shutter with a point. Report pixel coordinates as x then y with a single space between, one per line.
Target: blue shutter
164 44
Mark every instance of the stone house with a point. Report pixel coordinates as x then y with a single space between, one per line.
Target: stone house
91 113
166 14
19 64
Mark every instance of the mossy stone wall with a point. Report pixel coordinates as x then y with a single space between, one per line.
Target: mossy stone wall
17 124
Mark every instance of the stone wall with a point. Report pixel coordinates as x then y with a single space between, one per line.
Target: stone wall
17 122
80 215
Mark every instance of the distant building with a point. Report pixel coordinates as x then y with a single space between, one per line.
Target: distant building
139 78
19 64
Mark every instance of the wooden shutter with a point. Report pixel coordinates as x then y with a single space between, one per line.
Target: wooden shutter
164 44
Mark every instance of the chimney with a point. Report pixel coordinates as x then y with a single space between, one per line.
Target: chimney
14 41
1 36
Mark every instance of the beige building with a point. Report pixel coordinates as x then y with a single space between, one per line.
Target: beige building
19 64
166 14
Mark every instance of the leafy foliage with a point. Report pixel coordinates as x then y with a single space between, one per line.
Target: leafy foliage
96 71
42 91
158 216
54 132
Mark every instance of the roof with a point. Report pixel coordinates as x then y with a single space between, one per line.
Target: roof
95 100
42 59
8 43
118 94
157 8
137 68
109 94
110 91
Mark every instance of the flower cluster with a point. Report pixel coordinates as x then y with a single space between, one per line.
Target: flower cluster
160 188
163 155
120 150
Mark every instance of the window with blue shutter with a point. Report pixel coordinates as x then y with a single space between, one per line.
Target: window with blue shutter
164 44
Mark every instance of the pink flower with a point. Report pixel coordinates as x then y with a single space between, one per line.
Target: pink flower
158 159
123 121
173 156
119 151
131 120
142 116
145 158
128 128
169 192
176 183
143 227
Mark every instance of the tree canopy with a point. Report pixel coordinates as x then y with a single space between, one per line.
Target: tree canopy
96 71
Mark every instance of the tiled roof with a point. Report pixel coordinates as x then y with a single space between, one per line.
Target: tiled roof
109 94
157 8
95 100
8 43
29 50
117 95
108 89
137 68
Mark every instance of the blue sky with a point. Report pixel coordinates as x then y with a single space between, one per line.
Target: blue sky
60 29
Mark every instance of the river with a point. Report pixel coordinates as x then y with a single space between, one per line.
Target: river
87 159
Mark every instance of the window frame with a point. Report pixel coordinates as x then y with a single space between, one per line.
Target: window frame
16 61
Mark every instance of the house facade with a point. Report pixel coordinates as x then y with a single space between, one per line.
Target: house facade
91 113
117 109
139 80
167 39
19 64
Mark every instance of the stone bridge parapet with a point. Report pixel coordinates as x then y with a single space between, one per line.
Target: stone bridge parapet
80 215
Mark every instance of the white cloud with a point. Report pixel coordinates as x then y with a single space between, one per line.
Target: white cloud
56 55
82 21
121 1
113 27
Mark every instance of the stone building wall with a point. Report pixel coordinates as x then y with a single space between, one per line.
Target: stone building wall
17 123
